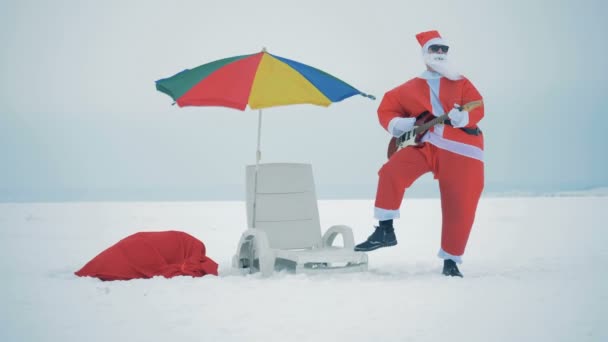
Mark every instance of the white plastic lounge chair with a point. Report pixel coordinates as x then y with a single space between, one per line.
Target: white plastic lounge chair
284 229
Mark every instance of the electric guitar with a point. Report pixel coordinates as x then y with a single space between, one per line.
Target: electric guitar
423 123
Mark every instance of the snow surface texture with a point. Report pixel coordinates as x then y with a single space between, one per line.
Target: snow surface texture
535 270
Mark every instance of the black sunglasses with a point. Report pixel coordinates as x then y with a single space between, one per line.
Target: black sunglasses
436 48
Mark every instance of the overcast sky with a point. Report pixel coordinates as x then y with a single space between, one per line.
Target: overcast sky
80 117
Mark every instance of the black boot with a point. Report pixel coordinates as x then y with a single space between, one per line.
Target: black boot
383 236
450 268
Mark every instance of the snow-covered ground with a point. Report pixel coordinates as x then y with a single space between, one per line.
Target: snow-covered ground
536 269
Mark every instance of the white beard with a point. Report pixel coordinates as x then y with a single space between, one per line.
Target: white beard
441 64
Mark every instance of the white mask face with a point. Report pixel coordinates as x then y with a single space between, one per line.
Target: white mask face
439 62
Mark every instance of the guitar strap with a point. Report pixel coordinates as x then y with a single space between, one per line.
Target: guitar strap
423 115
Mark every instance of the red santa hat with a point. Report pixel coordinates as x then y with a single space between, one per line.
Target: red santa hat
429 38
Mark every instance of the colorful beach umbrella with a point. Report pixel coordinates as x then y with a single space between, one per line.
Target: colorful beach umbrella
260 80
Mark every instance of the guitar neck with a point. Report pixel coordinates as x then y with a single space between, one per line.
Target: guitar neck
424 127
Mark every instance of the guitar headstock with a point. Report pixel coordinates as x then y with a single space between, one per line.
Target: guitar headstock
471 105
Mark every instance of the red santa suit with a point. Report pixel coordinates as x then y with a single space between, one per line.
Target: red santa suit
454 156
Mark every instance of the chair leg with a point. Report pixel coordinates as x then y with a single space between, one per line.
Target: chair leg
266 266
266 259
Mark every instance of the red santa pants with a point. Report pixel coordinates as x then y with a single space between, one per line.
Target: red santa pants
461 181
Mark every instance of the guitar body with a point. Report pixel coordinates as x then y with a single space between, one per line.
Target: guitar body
409 138
423 123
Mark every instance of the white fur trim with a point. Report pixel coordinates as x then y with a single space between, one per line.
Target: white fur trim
434 41
445 255
434 88
430 75
453 146
438 129
385 214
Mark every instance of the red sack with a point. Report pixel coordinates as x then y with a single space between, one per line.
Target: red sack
149 254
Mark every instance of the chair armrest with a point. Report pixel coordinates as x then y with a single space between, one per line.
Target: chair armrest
262 250
333 231
262 245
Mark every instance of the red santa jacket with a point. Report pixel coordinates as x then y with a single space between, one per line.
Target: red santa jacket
436 94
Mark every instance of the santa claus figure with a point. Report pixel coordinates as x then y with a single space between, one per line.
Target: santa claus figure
452 151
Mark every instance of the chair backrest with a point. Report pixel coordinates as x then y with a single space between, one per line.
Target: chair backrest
286 204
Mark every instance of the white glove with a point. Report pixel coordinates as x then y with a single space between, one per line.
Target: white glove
398 126
458 118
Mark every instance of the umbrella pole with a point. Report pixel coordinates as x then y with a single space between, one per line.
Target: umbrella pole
258 156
